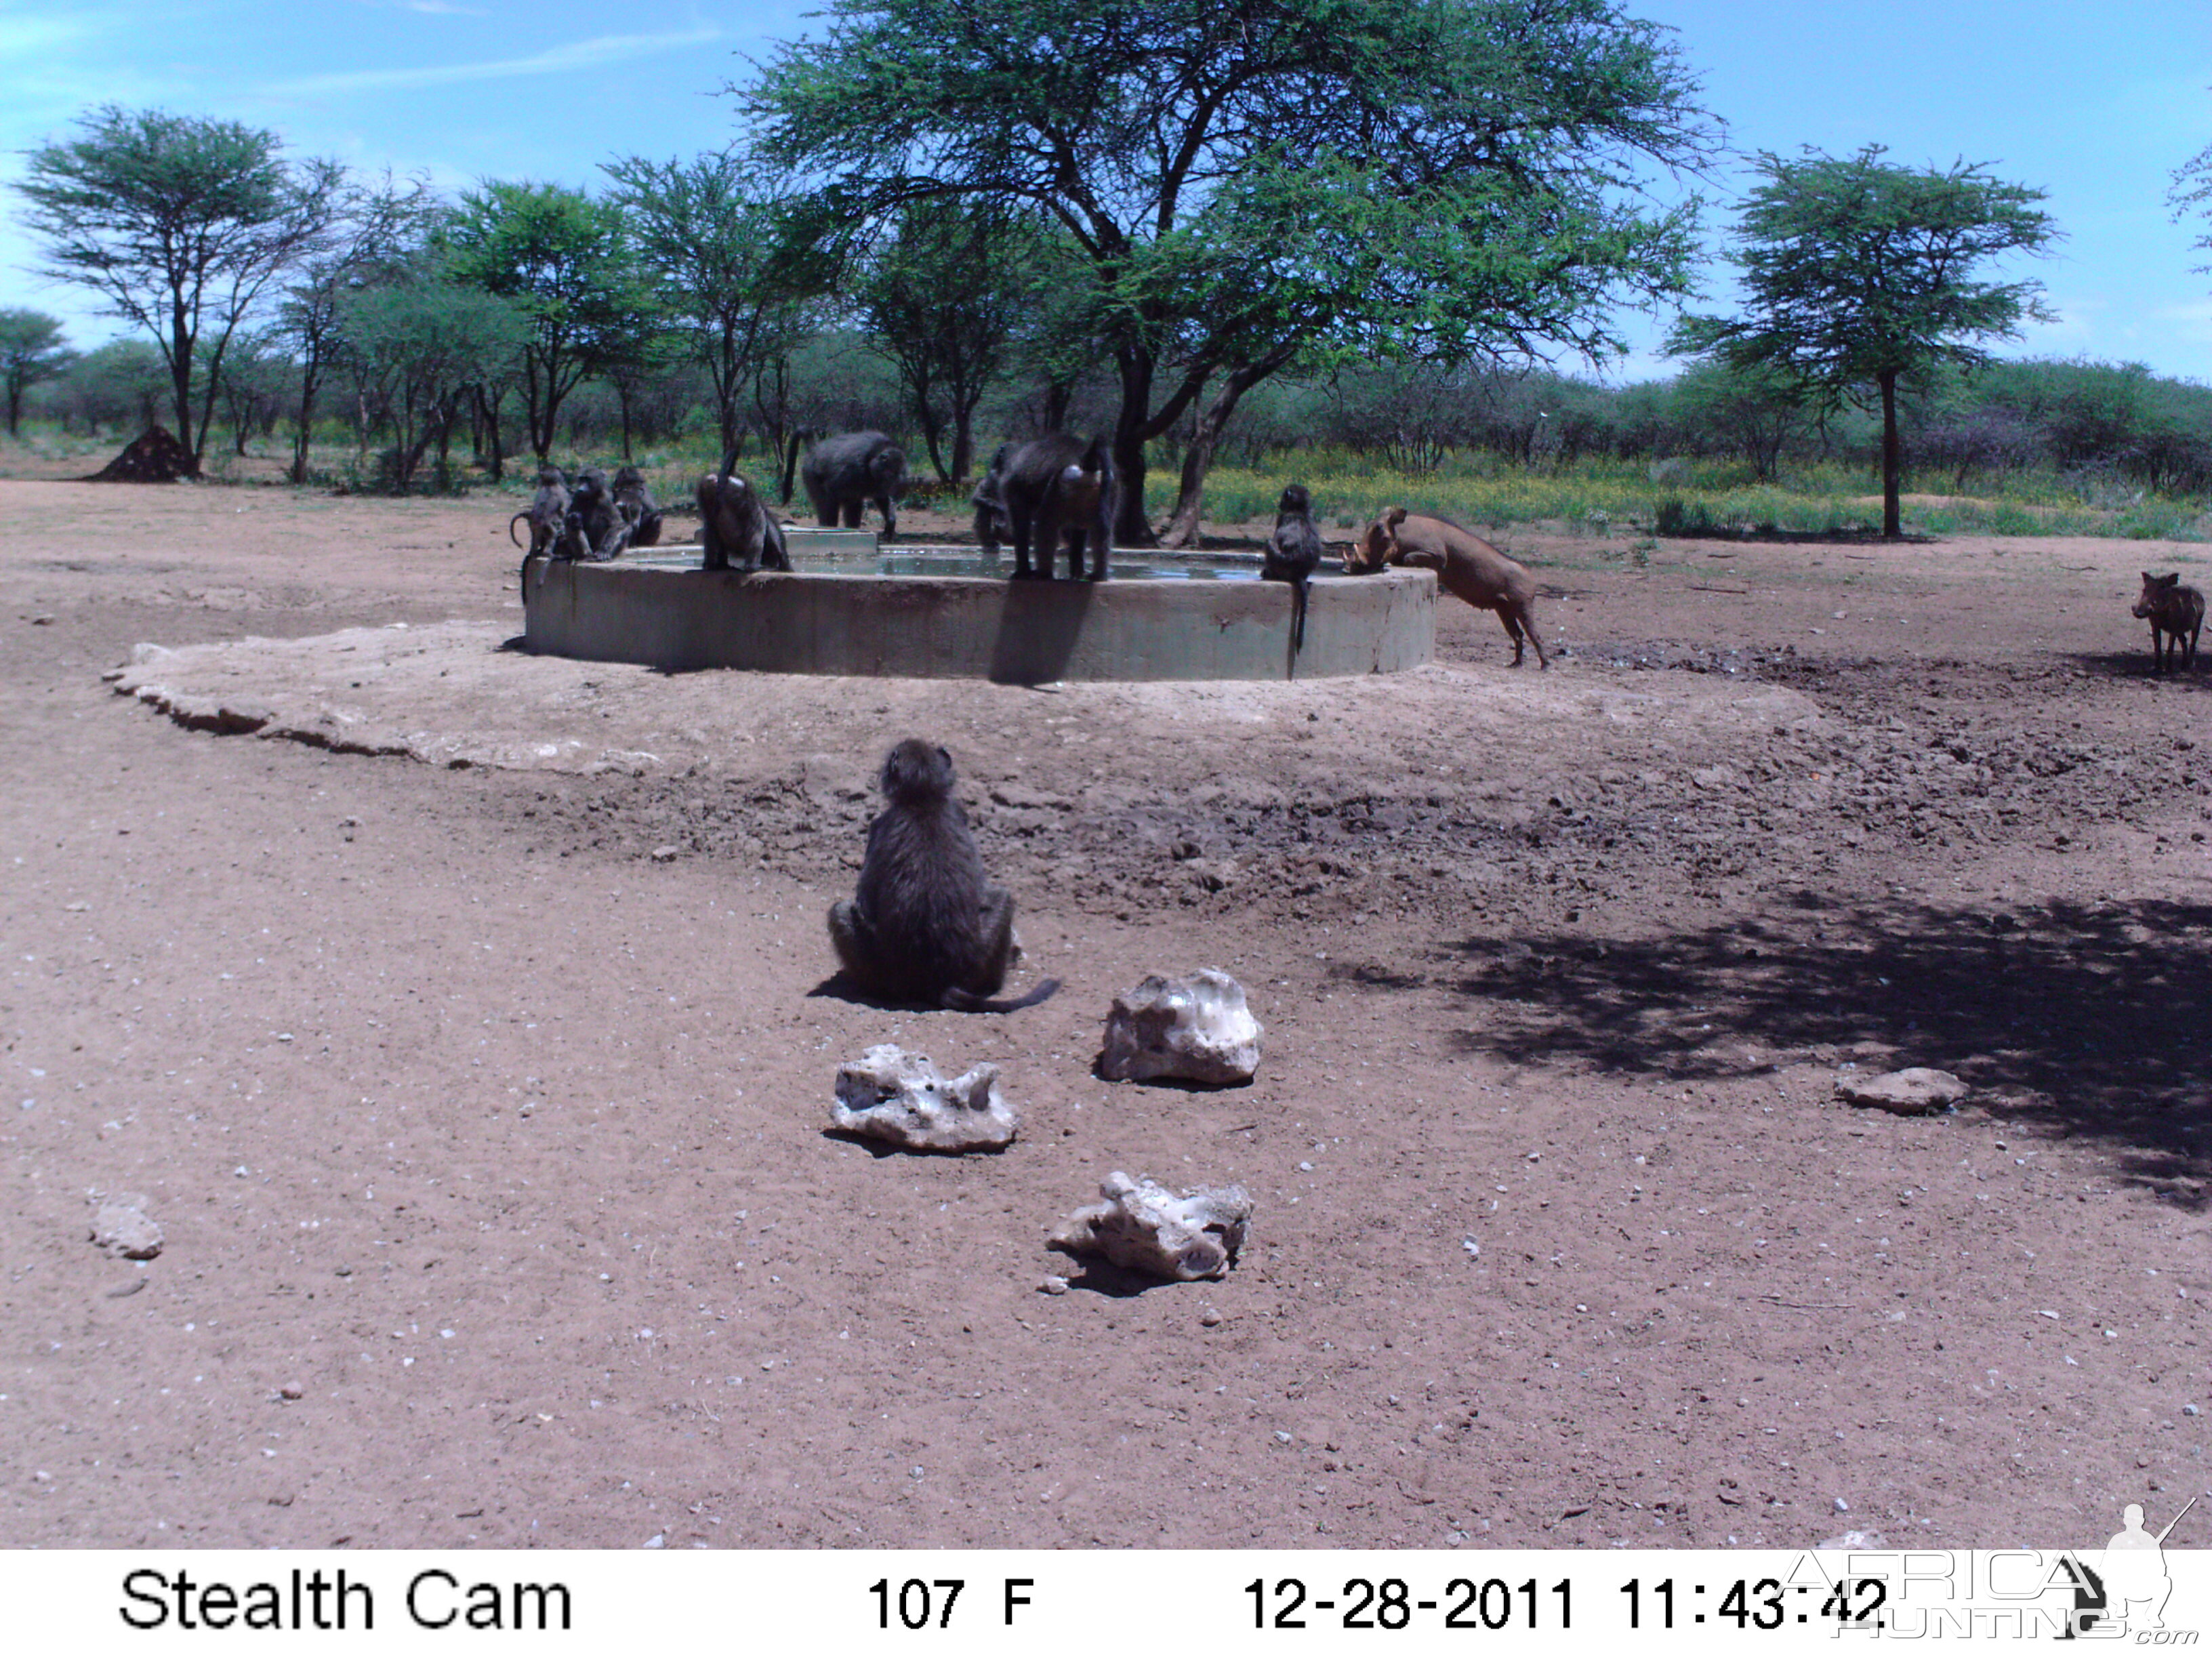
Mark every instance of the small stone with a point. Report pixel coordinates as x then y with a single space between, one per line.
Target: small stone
1284 1436
1053 1284
1142 1226
1910 1093
2189 1411
1842 1508
892 1096
664 855
121 1227
1853 1541
1197 1029
290 1391
658 1540
1211 1317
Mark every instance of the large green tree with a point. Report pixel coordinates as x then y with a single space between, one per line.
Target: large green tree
1858 275
419 346
943 299
734 260
178 223
1254 184
31 351
562 258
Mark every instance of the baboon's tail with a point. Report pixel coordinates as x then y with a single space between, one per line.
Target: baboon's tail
967 1003
1298 616
511 523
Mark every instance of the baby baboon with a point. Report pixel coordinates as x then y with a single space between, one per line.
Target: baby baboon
1058 485
635 501
1293 553
595 528
735 527
925 927
993 529
845 473
2176 616
547 512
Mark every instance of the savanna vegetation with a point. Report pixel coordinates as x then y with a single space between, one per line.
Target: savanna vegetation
1218 237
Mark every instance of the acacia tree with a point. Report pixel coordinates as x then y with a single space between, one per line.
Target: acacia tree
1262 183
178 223
31 351
561 258
375 231
942 300
419 346
1858 275
733 259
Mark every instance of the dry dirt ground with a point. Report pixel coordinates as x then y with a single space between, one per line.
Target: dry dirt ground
461 1017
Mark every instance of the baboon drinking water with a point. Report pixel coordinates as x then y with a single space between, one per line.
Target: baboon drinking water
635 503
924 926
993 529
845 473
735 527
1293 554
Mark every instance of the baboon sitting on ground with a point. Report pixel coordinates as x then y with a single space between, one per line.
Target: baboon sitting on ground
924 926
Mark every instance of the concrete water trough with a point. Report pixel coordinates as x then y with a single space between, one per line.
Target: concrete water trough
950 613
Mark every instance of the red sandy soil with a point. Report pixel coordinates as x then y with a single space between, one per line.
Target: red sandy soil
483 1105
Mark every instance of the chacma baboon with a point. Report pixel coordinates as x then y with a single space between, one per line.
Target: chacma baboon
993 529
845 473
547 512
924 926
1293 554
735 527
635 501
595 528
2177 616
1055 486
1465 565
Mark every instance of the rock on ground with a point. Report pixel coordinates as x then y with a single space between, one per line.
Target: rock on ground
1197 1028
892 1096
1141 1226
1914 1090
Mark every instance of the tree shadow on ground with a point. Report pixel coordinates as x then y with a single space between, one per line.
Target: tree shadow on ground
2138 666
2089 1018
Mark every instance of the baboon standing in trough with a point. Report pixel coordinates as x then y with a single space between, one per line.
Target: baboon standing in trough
993 529
1293 554
1056 486
845 473
735 529
635 503
924 926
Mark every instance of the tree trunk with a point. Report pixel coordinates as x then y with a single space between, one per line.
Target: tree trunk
1892 526
964 441
15 409
1131 527
1198 454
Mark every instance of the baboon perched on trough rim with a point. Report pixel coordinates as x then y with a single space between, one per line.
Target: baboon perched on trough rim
735 524
843 474
635 501
595 528
1293 554
924 926
2177 616
547 513
1055 486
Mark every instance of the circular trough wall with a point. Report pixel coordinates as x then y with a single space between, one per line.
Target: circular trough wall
972 628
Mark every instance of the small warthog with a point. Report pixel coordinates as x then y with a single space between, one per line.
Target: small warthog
2177 616
1464 564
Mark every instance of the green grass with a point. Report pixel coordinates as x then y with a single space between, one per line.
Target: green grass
1605 497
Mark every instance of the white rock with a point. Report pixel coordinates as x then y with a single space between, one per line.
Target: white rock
1142 1226
890 1095
1909 1092
1196 1028
121 1227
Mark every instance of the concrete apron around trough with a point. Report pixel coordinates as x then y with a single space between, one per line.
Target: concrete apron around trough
972 628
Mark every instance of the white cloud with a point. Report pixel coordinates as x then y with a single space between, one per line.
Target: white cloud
559 60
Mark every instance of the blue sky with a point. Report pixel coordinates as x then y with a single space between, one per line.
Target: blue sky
2096 105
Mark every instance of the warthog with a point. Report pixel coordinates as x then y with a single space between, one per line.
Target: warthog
1465 565
2177 616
